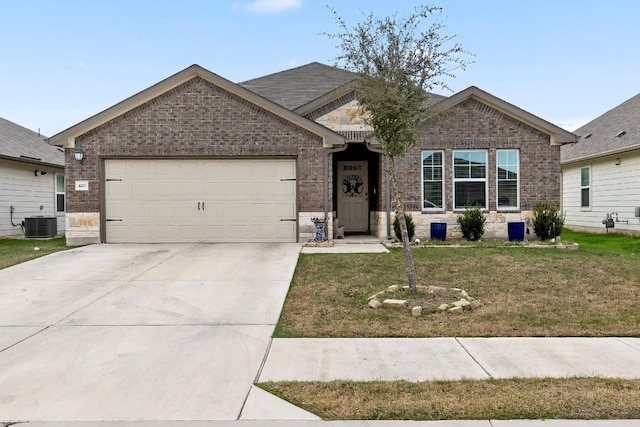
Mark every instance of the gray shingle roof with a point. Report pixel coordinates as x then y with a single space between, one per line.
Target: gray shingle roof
24 145
600 137
298 86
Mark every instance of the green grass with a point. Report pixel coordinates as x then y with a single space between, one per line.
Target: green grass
508 399
525 291
16 251
609 244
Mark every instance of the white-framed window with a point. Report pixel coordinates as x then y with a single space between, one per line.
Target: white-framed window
585 187
432 180
508 177
60 197
469 178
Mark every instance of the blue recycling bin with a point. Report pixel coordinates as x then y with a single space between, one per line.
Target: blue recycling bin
439 230
515 230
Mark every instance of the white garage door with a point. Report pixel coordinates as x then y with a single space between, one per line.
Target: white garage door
153 201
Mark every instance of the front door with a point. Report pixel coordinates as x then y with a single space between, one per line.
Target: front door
353 196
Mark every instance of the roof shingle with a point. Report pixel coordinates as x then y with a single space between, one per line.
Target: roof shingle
298 86
600 137
24 145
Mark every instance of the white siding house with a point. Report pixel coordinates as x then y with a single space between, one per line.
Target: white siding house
601 172
31 179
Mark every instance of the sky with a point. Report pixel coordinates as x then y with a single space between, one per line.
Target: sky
62 61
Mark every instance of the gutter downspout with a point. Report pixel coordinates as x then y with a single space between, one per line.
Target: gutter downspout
326 186
386 186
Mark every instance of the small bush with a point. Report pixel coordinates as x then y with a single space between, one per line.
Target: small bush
472 223
411 227
547 220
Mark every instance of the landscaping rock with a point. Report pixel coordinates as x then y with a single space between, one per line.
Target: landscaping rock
395 302
443 307
462 303
456 310
437 289
393 288
416 311
572 247
374 303
376 295
464 294
476 304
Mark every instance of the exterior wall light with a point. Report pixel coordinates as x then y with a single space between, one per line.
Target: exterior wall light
78 153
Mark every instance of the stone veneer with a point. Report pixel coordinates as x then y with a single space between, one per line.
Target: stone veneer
495 226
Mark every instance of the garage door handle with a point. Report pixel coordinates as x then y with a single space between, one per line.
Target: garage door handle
202 205
113 219
287 219
198 205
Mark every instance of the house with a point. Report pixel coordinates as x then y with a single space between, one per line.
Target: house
199 158
601 172
31 180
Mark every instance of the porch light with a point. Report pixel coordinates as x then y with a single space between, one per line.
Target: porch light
78 153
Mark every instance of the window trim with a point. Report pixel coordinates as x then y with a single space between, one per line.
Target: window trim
456 180
442 182
497 196
588 187
56 193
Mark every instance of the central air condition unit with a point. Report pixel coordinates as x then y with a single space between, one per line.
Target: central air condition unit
40 226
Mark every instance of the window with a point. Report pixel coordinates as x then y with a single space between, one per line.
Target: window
59 192
508 174
585 187
469 179
432 180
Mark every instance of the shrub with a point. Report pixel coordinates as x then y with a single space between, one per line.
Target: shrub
547 220
411 227
472 223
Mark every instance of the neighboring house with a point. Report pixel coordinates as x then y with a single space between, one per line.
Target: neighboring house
601 172
199 158
31 179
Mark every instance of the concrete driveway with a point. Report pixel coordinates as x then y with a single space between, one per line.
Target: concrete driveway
139 332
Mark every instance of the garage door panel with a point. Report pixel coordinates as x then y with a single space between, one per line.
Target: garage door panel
215 189
285 210
200 200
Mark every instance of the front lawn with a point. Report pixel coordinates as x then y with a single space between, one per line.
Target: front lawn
16 251
525 291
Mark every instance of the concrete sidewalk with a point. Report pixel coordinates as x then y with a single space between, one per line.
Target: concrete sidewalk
425 359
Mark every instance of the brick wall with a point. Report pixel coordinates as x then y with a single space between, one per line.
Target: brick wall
474 125
196 119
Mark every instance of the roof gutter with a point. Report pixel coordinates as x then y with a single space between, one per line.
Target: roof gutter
31 161
603 154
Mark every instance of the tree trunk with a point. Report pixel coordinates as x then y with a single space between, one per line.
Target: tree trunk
406 244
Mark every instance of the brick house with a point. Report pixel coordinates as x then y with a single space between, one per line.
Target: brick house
199 158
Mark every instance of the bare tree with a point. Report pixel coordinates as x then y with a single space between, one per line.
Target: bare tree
399 60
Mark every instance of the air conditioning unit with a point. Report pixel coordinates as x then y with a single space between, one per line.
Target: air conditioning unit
40 226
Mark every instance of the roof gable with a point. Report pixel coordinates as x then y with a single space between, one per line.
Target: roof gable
557 135
297 87
67 137
21 144
616 131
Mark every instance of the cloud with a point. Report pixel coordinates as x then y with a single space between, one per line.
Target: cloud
271 6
